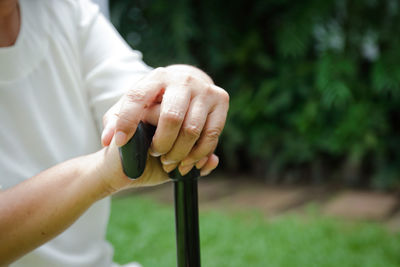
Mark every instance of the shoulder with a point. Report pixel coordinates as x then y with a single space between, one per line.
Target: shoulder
61 18
66 11
64 5
56 6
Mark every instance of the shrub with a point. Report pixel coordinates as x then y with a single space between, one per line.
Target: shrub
314 84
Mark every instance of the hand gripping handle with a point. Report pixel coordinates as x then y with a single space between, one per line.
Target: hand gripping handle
134 154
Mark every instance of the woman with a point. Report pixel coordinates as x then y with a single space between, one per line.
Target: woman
62 67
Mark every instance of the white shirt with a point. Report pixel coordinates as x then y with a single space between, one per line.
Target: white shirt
67 67
103 5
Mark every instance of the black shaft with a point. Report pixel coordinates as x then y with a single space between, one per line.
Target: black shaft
187 221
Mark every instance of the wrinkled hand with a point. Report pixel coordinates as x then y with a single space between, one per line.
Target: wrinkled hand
188 109
109 168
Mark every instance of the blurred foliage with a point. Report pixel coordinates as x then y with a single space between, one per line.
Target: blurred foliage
314 84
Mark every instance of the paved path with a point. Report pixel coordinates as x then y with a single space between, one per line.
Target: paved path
219 192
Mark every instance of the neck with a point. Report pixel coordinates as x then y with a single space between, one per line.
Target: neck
9 22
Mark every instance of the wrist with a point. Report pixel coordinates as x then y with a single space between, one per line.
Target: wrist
107 169
93 169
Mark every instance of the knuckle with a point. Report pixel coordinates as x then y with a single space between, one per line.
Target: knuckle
213 133
124 120
209 90
224 95
188 79
193 131
136 96
173 117
159 71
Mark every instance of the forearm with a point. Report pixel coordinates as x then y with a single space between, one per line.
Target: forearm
40 208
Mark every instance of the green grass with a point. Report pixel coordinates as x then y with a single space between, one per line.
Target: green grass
143 230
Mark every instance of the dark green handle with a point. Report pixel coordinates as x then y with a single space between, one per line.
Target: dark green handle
134 153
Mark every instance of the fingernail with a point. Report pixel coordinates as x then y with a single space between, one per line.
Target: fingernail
120 138
185 169
168 162
169 168
204 172
154 154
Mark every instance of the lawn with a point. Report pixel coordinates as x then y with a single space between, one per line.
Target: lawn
143 230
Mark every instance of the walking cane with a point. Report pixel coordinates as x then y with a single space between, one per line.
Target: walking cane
133 157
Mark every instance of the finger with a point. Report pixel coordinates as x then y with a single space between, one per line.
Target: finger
169 167
109 121
133 104
108 131
174 106
190 132
152 114
209 137
201 163
210 165
185 169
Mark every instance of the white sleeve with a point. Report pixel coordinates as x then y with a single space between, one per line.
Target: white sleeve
109 65
103 5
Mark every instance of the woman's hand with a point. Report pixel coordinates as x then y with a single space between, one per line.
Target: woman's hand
109 169
188 109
